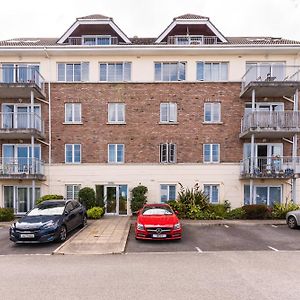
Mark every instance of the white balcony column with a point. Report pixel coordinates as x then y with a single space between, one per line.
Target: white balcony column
33 193
294 158
32 109
251 192
252 155
253 100
296 100
32 156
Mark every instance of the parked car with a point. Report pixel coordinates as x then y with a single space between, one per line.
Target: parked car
49 221
157 222
293 218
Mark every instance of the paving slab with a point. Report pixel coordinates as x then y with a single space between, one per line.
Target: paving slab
105 236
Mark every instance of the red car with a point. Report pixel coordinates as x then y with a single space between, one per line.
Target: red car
157 222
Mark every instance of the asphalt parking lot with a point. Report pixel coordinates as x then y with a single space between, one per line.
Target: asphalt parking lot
223 238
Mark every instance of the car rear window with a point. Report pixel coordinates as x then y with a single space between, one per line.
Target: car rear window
149 211
52 209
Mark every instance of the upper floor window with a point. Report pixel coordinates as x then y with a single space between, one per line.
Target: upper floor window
24 73
212 71
169 71
168 153
115 153
167 192
73 153
116 113
212 192
212 112
115 71
73 72
72 112
96 40
211 153
168 112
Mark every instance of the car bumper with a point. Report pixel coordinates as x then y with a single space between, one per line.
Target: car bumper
144 235
39 237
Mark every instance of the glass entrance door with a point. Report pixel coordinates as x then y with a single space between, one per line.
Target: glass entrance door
22 200
116 199
111 199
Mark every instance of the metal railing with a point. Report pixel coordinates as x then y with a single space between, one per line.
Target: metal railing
80 41
272 167
271 120
20 120
22 74
270 73
15 166
192 40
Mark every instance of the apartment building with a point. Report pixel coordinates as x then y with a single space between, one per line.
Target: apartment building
97 108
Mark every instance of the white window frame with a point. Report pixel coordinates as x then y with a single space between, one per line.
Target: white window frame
211 161
95 37
211 185
72 185
116 104
73 113
81 71
73 154
164 63
168 191
170 106
168 159
123 71
220 63
213 107
115 154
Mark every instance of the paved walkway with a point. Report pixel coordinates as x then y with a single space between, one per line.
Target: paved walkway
104 236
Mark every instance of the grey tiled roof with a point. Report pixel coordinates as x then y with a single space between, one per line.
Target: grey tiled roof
94 17
191 16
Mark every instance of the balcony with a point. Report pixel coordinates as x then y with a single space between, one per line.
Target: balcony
21 125
19 81
97 41
276 80
21 168
270 124
192 40
276 167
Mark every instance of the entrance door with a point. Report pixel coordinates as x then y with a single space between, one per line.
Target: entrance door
116 199
22 200
111 199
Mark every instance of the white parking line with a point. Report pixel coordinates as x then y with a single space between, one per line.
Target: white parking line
275 226
199 250
272 248
226 226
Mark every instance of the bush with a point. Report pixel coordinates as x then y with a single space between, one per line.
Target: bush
95 212
219 210
87 197
49 197
196 213
139 198
279 211
6 214
256 211
237 213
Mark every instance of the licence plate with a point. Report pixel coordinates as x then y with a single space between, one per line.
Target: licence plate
26 235
159 235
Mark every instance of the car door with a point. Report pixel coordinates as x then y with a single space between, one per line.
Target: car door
70 216
78 211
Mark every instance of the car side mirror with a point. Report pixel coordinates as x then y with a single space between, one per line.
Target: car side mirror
66 213
176 212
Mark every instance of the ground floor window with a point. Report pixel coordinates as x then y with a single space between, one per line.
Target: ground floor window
167 192
72 191
268 195
20 198
212 192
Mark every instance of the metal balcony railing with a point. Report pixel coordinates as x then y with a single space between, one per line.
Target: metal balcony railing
92 42
270 167
22 74
15 166
270 73
271 120
192 40
20 120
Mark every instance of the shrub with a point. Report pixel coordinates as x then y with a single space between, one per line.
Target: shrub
279 211
219 210
95 212
49 197
139 198
6 214
237 213
87 197
256 211
196 213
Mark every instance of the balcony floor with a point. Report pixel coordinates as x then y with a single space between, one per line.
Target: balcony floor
23 176
23 134
271 133
20 90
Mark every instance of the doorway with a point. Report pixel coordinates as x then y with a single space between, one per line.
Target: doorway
116 199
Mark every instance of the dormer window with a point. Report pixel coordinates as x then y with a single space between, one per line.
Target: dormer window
192 40
98 40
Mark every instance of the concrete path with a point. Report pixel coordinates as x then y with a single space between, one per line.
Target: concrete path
104 236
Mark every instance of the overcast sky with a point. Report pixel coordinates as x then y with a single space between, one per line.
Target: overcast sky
148 18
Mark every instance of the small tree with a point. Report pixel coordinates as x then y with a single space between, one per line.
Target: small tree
87 197
139 197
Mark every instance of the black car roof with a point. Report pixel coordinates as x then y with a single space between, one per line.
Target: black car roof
55 201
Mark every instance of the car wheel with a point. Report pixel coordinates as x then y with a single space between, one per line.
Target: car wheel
84 221
292 222
62 234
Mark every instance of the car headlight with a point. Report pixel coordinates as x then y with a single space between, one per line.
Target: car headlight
12 227
49 224
140 226
177 226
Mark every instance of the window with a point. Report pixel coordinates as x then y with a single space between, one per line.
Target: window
167 192
211 153
115 71
72 191
72 112
212 71
212 192
167 153
20 73
115 153
97 40
169 71
168 112
73 153
73 72
212 112
116 113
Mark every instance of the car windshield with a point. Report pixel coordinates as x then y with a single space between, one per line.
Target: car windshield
157 210
52 209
